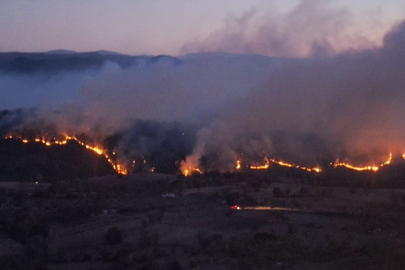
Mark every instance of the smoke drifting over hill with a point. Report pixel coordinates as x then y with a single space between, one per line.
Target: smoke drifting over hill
218 107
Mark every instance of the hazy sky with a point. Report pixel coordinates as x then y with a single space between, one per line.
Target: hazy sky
158 26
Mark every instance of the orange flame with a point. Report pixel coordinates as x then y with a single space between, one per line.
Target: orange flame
261 167
189 171
373 168
238 164
117 167
284 164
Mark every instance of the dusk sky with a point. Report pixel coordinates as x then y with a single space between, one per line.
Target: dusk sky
177 27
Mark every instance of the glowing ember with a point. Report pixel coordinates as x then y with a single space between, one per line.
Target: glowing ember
117 167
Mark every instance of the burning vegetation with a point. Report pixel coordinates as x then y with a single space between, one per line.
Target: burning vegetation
187 171
190 165
311 115
98 150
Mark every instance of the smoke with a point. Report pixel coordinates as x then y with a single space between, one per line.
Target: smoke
313 28
11 119
211 109
39 90
319 110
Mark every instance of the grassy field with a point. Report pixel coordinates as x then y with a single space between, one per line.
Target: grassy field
125 223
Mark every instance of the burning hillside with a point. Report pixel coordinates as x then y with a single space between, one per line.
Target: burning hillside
174 159
40 162
98 150
219 112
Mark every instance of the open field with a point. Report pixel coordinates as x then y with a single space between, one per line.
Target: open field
126 223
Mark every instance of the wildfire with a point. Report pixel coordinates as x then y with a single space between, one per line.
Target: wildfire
94 149
267 162
189 171
373 168
284 164
366 168
281 163
238 164
117 167
261 167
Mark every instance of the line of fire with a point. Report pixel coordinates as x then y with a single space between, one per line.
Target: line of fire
267 162
240 165
119 168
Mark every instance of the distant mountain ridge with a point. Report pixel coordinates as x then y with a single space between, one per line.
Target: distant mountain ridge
61 51
61 60
66 60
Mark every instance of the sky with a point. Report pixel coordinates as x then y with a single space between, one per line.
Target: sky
178 27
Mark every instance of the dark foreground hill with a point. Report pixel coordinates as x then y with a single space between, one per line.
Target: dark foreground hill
38 162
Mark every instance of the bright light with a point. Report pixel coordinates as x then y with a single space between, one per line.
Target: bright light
373 168
117 167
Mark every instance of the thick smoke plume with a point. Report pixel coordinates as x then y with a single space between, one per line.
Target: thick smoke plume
313 28
218 108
